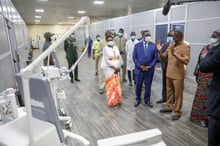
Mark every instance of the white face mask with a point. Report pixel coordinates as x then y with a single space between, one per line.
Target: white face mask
72 35
147 39
110 43
214 41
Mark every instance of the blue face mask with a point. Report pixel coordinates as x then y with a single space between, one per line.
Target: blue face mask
133 37
120 34
98 38
169 39
110 43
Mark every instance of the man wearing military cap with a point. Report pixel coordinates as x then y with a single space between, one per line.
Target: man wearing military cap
71 55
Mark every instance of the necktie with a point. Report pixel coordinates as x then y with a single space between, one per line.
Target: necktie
145 48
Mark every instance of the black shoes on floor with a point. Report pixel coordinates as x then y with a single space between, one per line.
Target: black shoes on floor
136 104
77 80
164 110
148 103
161 101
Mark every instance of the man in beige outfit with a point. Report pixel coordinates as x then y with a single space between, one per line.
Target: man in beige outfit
120 41
178 54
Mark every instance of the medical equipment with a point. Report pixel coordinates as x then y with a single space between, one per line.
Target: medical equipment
53 74
8 107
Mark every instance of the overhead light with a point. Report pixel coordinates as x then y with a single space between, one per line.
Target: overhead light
81 12
60 22
71 17
37 17
36 20
98 2
39 10
42 0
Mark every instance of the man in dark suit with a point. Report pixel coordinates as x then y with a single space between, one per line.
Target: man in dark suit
212 64
145 57
164 67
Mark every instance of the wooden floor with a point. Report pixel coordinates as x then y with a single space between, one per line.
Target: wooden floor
94 120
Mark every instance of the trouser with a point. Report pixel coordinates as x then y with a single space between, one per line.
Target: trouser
124 58
96 63
129 76
70 64
101 79
89 51
147 78
164 88
214 131
174 93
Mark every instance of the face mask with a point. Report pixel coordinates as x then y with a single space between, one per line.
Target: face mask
147 39
213 41
98 38
110 43
120 34
133 37
169 39
72 35
113 35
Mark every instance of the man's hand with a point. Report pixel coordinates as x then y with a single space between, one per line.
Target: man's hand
159 46
117 70
147 68
142 67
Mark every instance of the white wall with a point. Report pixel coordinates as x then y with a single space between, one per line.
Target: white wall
200 18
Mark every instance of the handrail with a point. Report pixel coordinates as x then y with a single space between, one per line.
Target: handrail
27 71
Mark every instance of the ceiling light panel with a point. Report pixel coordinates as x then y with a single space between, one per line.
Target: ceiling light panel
81 12
71 17
39 10
98 2
37 17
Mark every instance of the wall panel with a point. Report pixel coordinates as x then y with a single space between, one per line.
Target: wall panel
204 10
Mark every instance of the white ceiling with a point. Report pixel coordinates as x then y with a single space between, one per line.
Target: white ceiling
58 11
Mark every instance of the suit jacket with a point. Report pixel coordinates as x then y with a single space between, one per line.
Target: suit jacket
164 61
140 58
211 63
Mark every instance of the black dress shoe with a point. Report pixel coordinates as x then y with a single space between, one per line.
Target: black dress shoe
175 117
101 91
164 110
148 103
124 80
161 101
77 80
136 104
71 81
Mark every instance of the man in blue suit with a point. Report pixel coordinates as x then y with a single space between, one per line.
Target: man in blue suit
212 64
145 57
